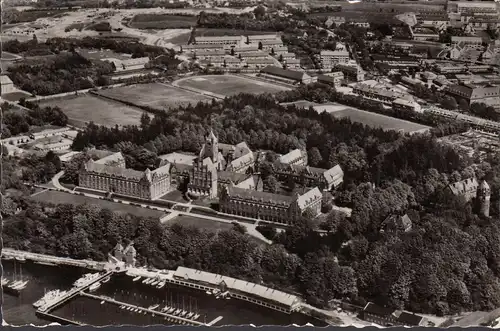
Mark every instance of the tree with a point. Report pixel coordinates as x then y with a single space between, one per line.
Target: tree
259 12
260 45
314 157
449 103
272 184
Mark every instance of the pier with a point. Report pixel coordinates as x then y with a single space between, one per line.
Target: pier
53 260
180 320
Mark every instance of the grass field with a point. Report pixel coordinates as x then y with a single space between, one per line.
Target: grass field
228 85
102 54
373 119
87 108
162 21
200 223
57 197
8 56
154 95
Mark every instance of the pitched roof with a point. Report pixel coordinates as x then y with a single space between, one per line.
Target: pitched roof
226 176
111 159
374 309
257 196
248 288
178 158
463 186
283 73
308 197
410 319
242 160
292 156
113 171
334 175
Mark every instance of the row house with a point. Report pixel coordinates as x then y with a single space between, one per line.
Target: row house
278 50
255 39
224 40
484 23
226 62
381 93
294 157
205 47
466 40
245 49
253 55
292 64
285 56
473 93
259 63
208 55
268 45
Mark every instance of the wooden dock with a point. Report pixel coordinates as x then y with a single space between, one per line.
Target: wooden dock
180 320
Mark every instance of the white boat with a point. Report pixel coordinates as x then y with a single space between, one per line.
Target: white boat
136 278
208 292
155 282
94 287
145 281
170 310
153 307
216 291
105 280
195 317
190 315
5 281
164 309
177 312
21 285
162 284
102 302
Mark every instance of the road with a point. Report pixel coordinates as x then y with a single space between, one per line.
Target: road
251 228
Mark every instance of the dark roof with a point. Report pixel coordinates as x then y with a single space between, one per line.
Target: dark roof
372 308
409 319
235 177
326 78
257 196
283 73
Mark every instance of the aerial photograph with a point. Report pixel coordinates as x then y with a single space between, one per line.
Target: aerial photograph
250 162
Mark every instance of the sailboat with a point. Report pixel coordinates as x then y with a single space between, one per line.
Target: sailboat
136 278
190 312
183 312
21 284
197 315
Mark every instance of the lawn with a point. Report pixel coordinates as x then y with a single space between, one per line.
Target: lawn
200 223
87 108
155 95
373 119
229 85
57 197
8 56
162 21
102 54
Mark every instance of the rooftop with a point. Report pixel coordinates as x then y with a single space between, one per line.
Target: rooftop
283 73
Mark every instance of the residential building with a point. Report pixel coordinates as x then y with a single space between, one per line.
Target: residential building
245 49
62 145
110 174
48 133
292 64
483 7
335 78
294 157
404 104
425 35
203 47
6 84
396 223
337 20
244 181
253 55
208 55
224 40
286 76
473 93
259 63
16 140
255 39
331 58
390 317
466 40
466 188
277 50
269 206
271 44
285 56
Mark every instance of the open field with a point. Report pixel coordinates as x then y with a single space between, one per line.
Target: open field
57 197
162 21
33 15
372 119
228 85
154 95
8 56
206 32
87 108
200 223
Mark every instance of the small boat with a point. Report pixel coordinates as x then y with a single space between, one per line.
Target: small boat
105 280
164 309
216 291
195 317
162 284
20 259
177 312
46 263
189 315
208 292
136 278
145 281
94 287
148 281
155 282
21 285
170 310
153 307
102 302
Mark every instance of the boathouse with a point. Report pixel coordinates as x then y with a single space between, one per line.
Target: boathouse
239 289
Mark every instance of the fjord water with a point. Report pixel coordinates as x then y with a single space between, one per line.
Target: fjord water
19 310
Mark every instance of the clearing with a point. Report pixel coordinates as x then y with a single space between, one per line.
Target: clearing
87 108
200 223
228 85
155 95
162 21
57 197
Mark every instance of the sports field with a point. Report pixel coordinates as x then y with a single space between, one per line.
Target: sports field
228 85
372 119
162 21
155 95
57 197
87 108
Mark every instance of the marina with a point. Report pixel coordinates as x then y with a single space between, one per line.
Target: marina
140 296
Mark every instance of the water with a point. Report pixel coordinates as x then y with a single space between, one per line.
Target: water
19 311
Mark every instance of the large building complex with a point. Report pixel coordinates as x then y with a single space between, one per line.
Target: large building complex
109 174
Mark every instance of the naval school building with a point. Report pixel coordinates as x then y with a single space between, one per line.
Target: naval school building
238 289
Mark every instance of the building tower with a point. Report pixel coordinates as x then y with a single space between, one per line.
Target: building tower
483 198
211 148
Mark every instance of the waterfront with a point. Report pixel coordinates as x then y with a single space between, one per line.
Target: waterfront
19 311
